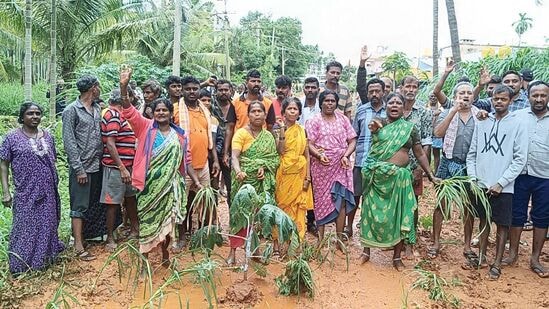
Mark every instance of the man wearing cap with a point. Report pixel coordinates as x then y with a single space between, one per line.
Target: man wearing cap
527 77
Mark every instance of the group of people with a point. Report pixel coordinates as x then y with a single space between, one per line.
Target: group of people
321 157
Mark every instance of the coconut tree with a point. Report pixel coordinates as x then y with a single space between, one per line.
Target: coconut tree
435 38
522 25
53 59
454 35
28 51
176 62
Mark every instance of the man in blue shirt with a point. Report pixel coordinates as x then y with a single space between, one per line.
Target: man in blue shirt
375 108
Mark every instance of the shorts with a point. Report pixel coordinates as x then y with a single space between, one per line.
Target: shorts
527 186
82 196
437 142
357 181
113 190
449 168
203 175
418 183
501 208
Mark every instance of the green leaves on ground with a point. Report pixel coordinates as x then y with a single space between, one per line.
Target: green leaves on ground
297 279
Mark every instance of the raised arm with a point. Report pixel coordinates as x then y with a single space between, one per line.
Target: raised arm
361 75
442 98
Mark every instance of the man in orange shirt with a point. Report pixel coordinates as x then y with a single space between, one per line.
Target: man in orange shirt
250 94
195 119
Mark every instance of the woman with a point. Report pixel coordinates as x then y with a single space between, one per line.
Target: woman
293 179
255 161
387 218
34 242
161 160
332 140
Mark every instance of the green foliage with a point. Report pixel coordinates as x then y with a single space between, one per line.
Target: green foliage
270 216
12 96
522 25
297 279
397 64
245 203
426 222
535 59
206 238
461 192
435 285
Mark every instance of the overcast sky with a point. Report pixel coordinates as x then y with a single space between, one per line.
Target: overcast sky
342 27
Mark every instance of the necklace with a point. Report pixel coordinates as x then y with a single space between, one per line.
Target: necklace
254 134
38 145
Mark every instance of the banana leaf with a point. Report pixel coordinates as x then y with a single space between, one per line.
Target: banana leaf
270 216
244 204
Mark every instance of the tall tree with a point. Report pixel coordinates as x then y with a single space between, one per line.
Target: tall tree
435 38
176 60
454 35
398 64
53 60
522 25
28 51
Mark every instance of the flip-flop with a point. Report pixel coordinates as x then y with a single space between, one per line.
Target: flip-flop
494 273
364 258
432 253
528 226
85 256
540 271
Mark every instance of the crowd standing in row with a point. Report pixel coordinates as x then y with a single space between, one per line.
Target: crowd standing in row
322 157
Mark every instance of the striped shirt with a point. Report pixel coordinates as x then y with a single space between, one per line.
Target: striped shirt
114 125
364 114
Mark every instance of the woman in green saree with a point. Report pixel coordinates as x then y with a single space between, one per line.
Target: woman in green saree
255 161
387 218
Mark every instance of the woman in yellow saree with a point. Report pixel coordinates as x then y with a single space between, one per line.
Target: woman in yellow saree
293 191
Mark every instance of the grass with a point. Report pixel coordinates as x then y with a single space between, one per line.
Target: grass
436 286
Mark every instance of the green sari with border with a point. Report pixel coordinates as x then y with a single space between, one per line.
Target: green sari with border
388 206
162 203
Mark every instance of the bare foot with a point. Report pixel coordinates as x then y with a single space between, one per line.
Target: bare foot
179 246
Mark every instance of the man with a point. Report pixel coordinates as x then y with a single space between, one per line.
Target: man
333 73
389 85
224 93
456 125
240 104
447 103
151 91
118 154
174 87
416 113
496 157
533 183
374 108
195 119
283 90
361 75
82 143
422 118
513 80
527 76
311 88
488 83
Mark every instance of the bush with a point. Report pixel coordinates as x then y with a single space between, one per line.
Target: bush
12 96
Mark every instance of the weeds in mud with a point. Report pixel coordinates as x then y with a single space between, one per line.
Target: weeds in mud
435 285
325 250
62 298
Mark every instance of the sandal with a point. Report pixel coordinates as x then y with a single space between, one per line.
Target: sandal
85 256
528 226
230 261
472 257
540 271
494 272
432 252
397 264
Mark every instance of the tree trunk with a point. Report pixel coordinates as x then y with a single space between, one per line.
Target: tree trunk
176 62
454 36
28 51
435 38
53 60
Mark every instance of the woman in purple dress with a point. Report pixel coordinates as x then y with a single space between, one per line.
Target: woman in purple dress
332 140
34 242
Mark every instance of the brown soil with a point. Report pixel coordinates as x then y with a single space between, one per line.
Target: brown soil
375 284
